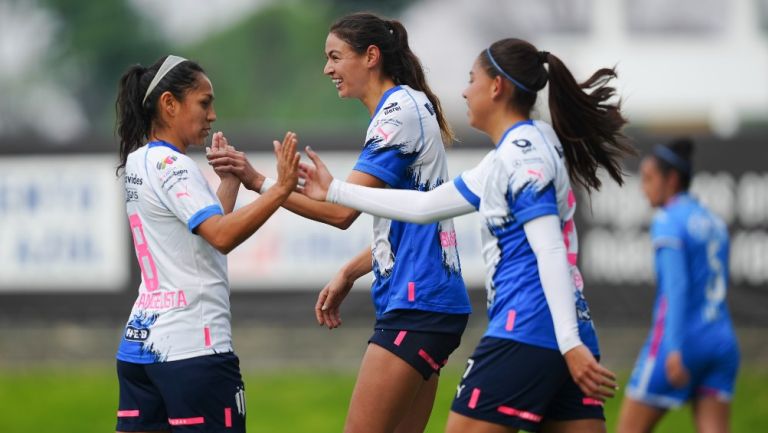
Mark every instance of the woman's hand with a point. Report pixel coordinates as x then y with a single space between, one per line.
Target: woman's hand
220 146
317 179
594 380
228 161
677 374
287 162
329 300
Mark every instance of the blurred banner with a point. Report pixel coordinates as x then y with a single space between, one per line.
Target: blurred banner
62 224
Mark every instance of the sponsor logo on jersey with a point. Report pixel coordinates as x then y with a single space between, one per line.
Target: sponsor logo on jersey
136 334
168 160
430 108
523 144
131 194
391 108
133 179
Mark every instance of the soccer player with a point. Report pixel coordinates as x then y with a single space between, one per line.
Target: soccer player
691 353
175 364
540 328
418 292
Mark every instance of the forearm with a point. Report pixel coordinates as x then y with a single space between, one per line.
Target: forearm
228 231
328 213
358 266
418 207
227 193
546 240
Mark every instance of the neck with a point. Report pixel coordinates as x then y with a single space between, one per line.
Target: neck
500 122
374 93
161 134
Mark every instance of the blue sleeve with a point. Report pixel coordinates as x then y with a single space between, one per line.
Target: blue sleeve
529 204
673 284
467 193
203 214
389 164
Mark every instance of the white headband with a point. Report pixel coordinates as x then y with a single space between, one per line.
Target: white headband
170 62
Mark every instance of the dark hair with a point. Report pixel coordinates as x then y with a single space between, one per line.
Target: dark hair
587 124
681 160
361 30
134 115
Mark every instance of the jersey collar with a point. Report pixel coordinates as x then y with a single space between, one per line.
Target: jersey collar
515 126
384 99
161 143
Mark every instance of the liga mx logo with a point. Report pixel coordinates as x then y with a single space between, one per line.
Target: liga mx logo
170 159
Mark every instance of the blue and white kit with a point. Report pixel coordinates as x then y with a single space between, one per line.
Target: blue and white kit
691 249
182 310
416 266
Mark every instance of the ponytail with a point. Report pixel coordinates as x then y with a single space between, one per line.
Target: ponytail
361 30
136 110
133 122
586 122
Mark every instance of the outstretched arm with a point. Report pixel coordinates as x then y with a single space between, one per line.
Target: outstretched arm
419 207
228 231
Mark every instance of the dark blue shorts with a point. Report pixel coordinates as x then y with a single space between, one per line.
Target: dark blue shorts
202 394
520 385
423 339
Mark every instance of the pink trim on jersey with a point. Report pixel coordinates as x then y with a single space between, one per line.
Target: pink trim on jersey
528 416
411 291
586 401
186 421
400 337
207 333
473 398
658 328
227 417
510 320
128 413
425 356
383 134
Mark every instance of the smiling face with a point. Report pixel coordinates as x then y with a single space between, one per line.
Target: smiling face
195 113
479 96
348 69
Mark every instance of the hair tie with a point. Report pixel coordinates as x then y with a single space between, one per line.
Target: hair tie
543 57
670 157
506 75
170 62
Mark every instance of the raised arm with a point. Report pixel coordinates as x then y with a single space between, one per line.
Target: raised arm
419 207
230 183
225 232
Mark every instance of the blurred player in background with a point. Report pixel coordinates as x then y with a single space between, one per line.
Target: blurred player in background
419 295
540 327
175 364
691 353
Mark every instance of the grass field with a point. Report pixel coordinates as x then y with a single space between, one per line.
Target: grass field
78 401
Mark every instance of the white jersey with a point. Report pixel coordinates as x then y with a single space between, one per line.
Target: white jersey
524 178
182 310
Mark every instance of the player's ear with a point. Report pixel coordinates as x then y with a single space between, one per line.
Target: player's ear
372 56
496 87
168 103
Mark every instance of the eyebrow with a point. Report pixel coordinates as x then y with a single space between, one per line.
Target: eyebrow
333 51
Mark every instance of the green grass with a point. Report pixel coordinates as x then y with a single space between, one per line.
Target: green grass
80 401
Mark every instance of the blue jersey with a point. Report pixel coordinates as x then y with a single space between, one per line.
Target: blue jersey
691 258
416 266
524 178
690 314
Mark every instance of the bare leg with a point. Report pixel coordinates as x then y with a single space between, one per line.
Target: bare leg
458 423
384 394
638 417
415 421
711 415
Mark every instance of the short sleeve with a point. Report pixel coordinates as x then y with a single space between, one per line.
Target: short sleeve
531 189
665 233
470 182
184 190
392 143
